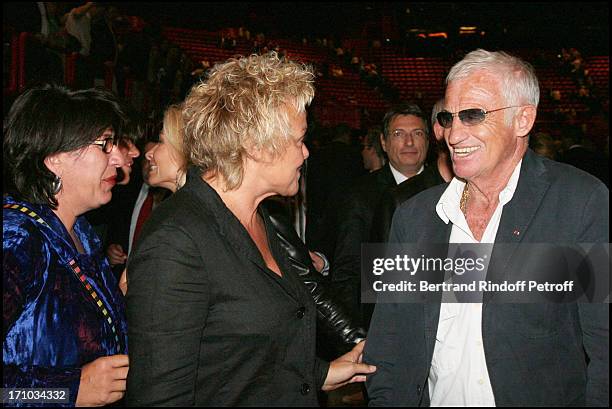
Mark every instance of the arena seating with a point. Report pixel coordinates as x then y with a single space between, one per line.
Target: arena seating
346 97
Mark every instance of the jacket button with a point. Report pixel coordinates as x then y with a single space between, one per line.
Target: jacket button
300 313
418 389
305 389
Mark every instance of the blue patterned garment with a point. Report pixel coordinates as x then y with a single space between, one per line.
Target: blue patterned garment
53 324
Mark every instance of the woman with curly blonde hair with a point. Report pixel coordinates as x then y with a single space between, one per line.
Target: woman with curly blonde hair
217 313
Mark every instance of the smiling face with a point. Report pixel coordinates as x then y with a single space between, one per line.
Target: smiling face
406 145
88 175
484 151
164 164
146 164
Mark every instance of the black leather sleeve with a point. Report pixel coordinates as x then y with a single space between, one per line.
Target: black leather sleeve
329 312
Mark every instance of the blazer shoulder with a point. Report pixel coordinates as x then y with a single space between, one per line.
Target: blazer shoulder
568 175
183 211
423 202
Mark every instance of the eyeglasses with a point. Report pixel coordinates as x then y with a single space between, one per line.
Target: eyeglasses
106 144
468 117
415 133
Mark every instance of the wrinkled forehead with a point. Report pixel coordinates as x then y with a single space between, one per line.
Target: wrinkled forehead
481 88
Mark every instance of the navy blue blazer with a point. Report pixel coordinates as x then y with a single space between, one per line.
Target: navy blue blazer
536 354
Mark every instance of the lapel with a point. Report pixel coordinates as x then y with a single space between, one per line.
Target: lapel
234 233
438 234
517 216
385 176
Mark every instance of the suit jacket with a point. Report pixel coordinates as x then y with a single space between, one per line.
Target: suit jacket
209 323
330 173
355 215
119 212
396 195
536 354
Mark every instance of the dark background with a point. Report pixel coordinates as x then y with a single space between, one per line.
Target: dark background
518 24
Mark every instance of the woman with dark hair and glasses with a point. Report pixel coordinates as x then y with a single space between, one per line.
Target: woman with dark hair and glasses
64 317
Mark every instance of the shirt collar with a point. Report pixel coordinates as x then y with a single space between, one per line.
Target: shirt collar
399 176
447 207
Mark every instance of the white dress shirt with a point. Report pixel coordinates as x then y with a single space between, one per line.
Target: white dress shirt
399 176
458 374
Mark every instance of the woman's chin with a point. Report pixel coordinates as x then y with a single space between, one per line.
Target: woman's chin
291 191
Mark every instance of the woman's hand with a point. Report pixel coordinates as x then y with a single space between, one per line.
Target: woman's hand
347 369
103 381
123 281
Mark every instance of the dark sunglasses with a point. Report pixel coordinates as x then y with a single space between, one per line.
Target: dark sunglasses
468 117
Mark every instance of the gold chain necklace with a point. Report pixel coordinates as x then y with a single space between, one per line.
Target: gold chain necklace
464 198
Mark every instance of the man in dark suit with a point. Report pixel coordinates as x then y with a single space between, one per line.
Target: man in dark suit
439 171
405 139
493 353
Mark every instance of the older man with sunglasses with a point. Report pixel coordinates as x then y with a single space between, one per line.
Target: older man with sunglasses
494 353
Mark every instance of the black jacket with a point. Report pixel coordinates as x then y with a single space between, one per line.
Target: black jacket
355 215
337 324
395 196
209 323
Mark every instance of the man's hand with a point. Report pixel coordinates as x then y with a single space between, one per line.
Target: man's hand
317 261
116 255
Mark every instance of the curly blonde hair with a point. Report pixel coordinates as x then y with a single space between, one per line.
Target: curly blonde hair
242 106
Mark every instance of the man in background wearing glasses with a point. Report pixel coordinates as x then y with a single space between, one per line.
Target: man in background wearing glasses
492 353
405 139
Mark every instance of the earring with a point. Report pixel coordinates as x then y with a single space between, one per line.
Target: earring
56 185
180 180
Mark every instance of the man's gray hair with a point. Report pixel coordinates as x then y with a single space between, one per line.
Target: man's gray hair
519 82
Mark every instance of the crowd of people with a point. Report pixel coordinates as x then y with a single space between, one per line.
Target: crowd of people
193 282
196 239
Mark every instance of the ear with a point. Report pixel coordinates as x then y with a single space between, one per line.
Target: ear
54 163
438 131
383 142
524 120
255 153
